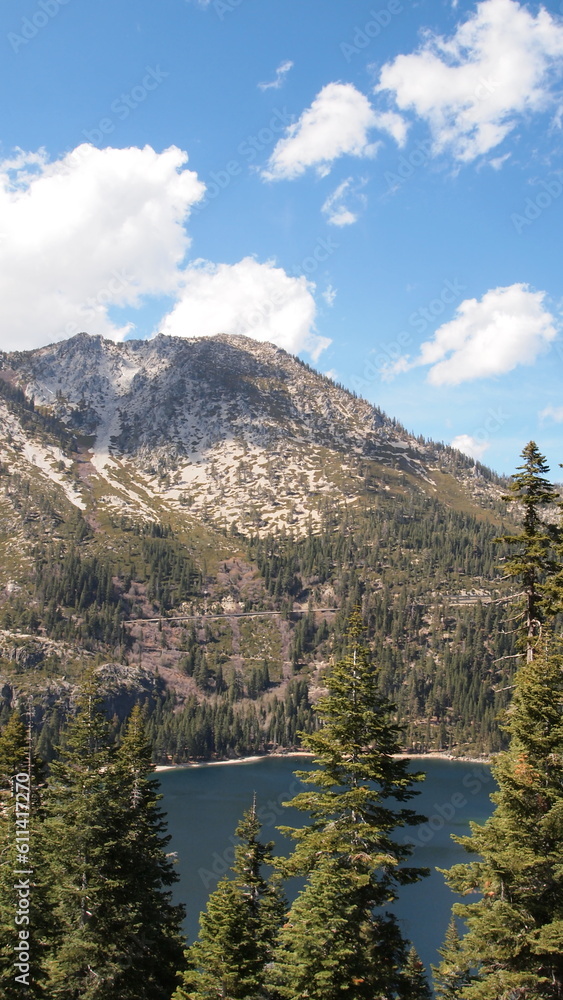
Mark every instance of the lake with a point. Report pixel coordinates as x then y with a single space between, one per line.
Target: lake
205 803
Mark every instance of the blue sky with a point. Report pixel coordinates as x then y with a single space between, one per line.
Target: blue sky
377 187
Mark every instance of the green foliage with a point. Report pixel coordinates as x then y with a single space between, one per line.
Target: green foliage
416 982
116 930
238 928
514 938
347 852
453 972
533 559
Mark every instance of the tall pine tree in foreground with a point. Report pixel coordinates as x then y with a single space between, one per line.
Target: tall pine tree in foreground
338 941
513 946
117 932
532 564
238 928
147 922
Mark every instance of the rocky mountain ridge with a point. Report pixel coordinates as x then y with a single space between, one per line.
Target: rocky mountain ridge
225 430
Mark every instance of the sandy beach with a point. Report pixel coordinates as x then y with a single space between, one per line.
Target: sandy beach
304 753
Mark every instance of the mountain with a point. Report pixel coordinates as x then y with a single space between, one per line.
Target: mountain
227 429
172 478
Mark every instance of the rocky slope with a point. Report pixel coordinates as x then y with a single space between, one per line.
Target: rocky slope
223 430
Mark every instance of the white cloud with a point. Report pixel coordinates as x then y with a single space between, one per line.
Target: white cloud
337 210
329 295
472 89
258 300
336 124
95 229
394 124
507 327
470 446
281 73
554 413
333 208
103 228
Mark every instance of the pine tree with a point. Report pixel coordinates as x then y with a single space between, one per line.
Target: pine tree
82 839
451 974
533 560
514 938
415 979
337 941
146 922
238 928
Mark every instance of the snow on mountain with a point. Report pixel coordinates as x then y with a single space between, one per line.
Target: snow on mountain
223 429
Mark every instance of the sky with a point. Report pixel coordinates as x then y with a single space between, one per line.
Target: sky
376 187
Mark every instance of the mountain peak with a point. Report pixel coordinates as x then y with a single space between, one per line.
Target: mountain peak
224 428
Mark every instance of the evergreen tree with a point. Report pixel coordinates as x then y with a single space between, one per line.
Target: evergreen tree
337 941
533 560
147 924
238 928
451 974
117 932
415 979
514 938
82 840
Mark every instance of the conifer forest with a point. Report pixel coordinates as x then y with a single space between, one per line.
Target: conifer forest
86 906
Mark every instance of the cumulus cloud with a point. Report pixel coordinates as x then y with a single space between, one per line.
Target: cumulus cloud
95 229
470 446
257 300
281 73
508 327
554 413
105 228
472 89
394 124
337 124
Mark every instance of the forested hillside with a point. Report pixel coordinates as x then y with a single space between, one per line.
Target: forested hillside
151 588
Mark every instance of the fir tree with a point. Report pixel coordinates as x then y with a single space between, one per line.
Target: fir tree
337 941
533 560
238 928
451 974
514 938
147 923
415 979
117 931
82 839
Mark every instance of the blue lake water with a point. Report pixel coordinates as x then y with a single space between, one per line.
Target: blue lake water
204 805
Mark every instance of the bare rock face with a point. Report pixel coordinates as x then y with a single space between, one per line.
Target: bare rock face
220 429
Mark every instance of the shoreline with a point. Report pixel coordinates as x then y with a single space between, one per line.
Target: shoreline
437 755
